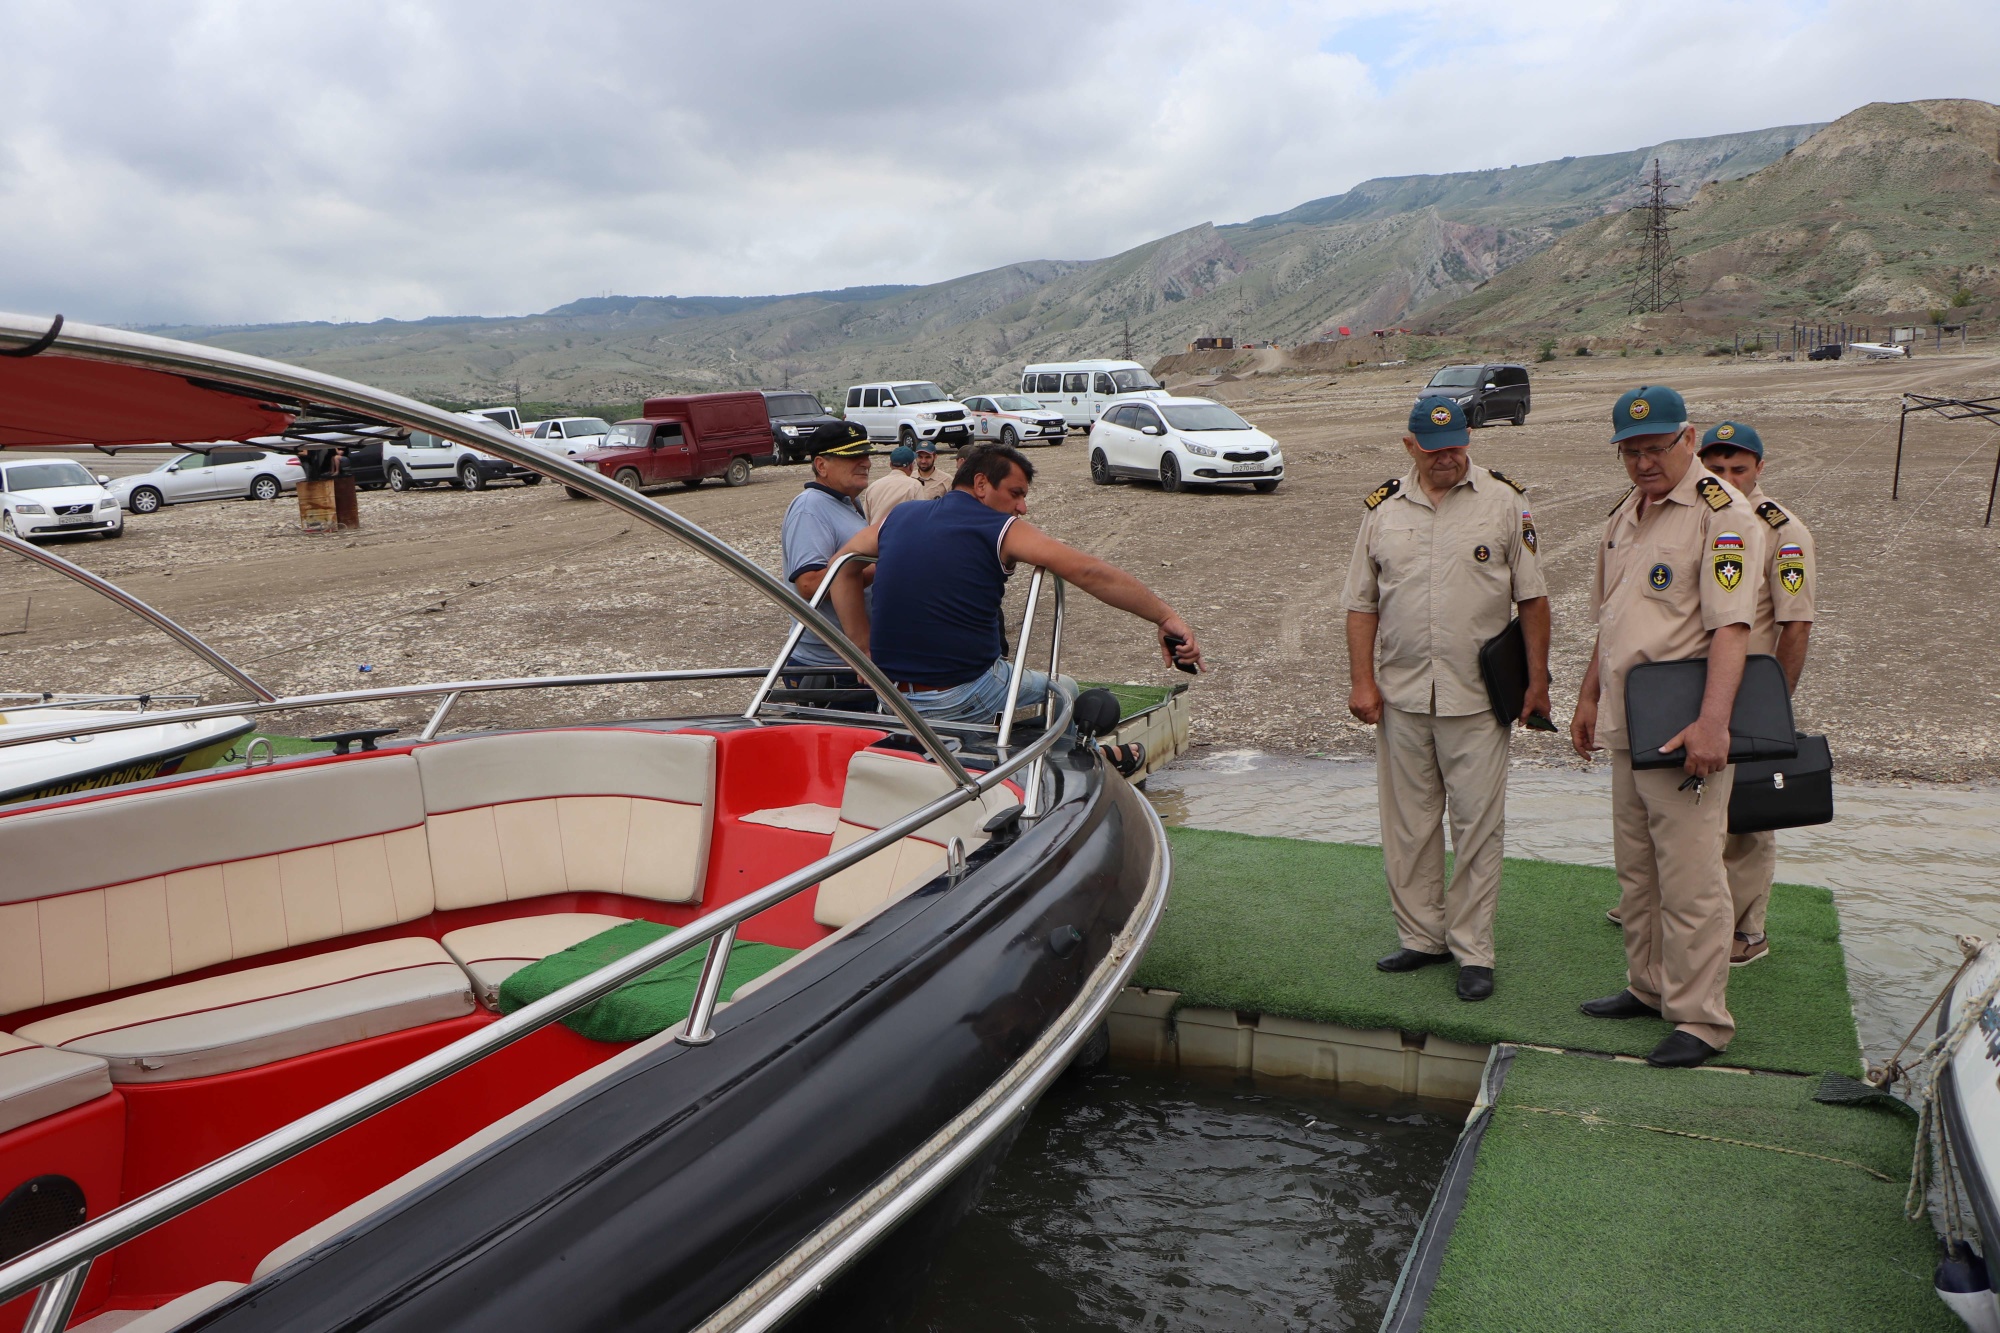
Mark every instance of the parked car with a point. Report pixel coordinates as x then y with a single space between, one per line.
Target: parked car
41 497
1485 393
423 459
798 422
227 472
1182 442
508 418
1081 390
569 435
908 412
688 439
1012 418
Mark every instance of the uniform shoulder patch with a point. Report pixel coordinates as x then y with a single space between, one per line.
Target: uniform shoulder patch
1383 492
1621 500
1712 493
1498 475
1770 513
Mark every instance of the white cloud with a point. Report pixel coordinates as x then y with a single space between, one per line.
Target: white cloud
243 162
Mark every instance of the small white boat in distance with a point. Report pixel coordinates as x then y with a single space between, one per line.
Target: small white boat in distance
1878 351
64 764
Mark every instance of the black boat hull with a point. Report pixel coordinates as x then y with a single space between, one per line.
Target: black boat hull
722 1185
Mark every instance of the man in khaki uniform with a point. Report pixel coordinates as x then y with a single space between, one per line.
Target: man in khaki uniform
1444 554
1735 453
1677 577
936 484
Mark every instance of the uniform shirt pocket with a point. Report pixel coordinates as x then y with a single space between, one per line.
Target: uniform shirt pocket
1667 581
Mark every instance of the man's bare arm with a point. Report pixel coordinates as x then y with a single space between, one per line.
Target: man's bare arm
1583 723
847 599
1103 580
1364 699
1793 636
1535 632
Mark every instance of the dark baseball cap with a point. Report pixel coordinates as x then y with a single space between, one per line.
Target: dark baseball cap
1438 423
854 446
1651 409
1733 435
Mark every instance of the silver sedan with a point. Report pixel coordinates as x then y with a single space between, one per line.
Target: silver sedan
227 472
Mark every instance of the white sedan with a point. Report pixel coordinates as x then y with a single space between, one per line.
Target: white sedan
1013 418
45 497
1182 442
226 472
568 435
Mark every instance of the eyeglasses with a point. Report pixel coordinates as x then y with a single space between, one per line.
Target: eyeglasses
1651 453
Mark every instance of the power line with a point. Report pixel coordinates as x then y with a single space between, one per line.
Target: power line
1658 286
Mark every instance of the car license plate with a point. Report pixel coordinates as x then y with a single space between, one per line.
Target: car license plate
75 518
1246 467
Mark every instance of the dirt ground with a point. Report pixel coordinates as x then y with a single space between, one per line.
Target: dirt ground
520 581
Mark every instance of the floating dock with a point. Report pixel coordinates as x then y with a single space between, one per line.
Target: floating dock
1590 1191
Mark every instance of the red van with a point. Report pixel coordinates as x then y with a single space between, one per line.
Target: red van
687 439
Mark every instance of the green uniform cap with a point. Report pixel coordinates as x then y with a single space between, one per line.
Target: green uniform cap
1733 435
1653 409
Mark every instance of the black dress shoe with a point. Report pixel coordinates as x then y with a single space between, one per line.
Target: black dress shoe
1475 983
1409 960
1622 1005
1681 1050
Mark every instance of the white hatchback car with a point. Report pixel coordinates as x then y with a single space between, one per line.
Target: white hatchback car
44 497
226 472
1182 442
1015 418
569 435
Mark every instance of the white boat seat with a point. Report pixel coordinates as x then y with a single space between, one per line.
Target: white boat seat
497 950
412 1179
881 789
162 1318
798 818
36 1081
265 1014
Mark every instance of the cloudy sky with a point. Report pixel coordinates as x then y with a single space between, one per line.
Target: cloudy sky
228 161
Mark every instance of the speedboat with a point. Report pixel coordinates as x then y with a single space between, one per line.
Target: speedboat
70 762
652 1022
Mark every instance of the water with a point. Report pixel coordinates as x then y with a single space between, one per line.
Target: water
1136 1200
1909 866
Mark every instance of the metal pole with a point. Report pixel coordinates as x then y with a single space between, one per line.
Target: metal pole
56 1301
437 716
1896 478
696 1031
1020 664
798 630
89 342
184 637
1990 490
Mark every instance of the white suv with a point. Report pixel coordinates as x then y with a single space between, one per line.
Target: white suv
909 412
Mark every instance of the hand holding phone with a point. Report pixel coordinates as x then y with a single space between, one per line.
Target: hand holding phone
1174 642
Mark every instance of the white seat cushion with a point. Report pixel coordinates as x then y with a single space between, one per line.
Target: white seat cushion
798 818
169 1316
36 1081
265 1014
881 789
497 950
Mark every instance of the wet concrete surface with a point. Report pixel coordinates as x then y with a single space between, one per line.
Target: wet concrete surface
1910 866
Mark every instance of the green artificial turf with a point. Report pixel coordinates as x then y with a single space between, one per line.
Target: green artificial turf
1570 1225
1133 698
1293 928
284 745
642 1008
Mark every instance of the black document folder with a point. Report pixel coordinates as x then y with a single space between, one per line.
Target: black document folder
1503 665
1661 698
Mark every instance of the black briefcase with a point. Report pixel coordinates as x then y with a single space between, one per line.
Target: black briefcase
1663 697
1503 665
1784 793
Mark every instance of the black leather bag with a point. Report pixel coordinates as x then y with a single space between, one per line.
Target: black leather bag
1661 698
1503 665
1784 793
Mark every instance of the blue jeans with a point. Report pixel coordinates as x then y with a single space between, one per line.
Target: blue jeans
980 700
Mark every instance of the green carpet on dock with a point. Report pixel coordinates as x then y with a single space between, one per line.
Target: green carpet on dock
1598 1223
1293 928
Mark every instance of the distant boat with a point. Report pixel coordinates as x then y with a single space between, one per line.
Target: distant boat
1878 351
65 764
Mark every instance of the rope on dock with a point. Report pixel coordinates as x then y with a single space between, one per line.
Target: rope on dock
1591 1118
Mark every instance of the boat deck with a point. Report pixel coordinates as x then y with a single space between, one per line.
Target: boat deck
1603 1193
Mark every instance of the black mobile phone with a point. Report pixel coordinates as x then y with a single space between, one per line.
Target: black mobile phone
1540 722
1173 642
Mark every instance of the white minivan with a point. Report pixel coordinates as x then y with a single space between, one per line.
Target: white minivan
1082 389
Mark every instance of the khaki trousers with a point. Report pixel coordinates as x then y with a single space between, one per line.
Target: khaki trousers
1427 766
1751 860
1675 900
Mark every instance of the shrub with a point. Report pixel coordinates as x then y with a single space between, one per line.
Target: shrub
1659 351
1937 316
1961 298
1624 351
1548 350
1754 345
1581 350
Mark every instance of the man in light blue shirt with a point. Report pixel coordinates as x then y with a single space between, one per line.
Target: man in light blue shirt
818 522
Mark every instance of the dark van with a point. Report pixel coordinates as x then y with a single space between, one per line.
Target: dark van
688 439
1486 394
